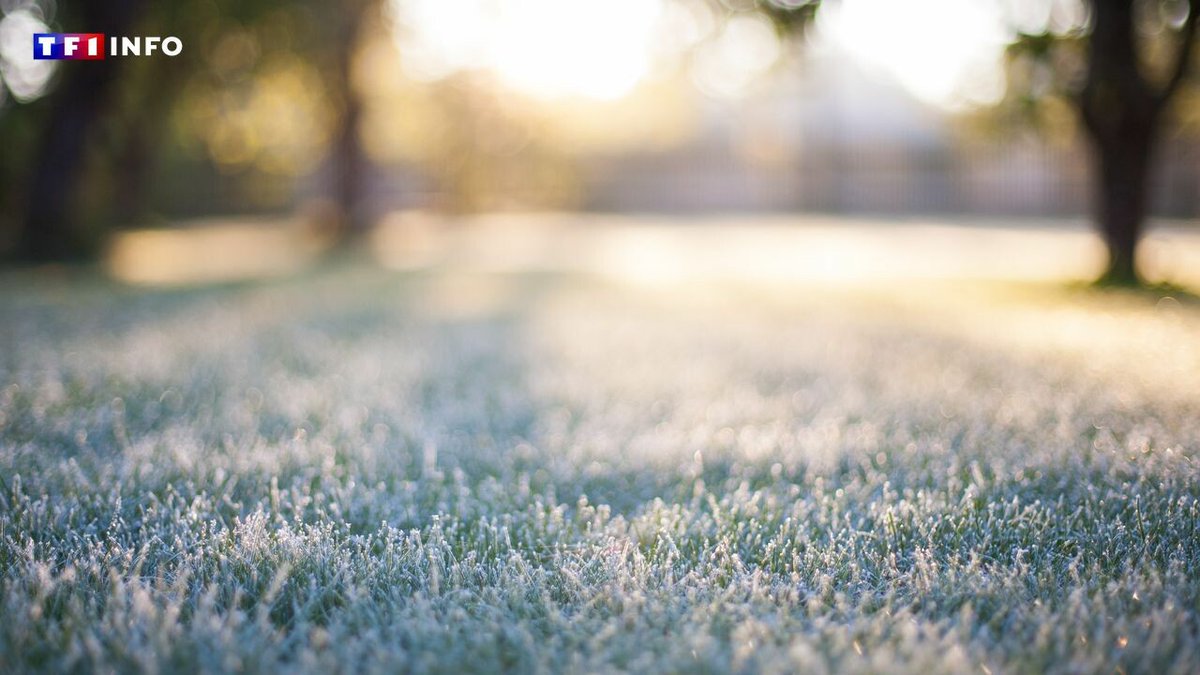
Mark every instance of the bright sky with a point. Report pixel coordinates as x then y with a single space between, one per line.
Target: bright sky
946 52
543 47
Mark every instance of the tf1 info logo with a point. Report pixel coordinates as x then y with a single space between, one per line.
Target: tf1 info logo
92 46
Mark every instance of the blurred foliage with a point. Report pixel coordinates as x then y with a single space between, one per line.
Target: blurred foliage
483 146
791 17
483 149
1046 67
250 104
257 104
265 103
1046 62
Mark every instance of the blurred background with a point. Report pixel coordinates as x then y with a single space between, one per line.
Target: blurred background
290 129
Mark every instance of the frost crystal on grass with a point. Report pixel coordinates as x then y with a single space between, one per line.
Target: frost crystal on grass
332 475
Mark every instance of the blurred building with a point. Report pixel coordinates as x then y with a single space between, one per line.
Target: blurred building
844 140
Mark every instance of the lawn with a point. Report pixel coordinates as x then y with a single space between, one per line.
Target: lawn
443 470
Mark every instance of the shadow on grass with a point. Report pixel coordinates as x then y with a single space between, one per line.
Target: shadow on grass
1151 293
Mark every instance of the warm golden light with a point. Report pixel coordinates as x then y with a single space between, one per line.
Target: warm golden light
211 252
946 52
770 251
547 48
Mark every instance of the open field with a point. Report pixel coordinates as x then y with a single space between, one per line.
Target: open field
451 466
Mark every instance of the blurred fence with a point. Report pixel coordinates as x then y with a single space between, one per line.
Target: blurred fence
996 179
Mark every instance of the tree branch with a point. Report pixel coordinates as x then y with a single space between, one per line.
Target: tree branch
1183 59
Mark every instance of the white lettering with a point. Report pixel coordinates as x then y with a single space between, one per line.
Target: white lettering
47 43
170 50
151 45
70 45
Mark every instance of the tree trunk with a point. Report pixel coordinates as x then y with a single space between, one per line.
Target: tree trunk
348 160
349 169
50 231
1120 113
1122 166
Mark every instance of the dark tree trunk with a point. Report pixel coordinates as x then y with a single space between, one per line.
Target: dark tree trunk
348 159
1123 168
349 164
1122 113
132 168
50 231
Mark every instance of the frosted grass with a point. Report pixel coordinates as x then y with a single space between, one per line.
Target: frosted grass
369 472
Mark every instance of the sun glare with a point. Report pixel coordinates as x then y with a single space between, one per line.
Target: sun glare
946 52
547 48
